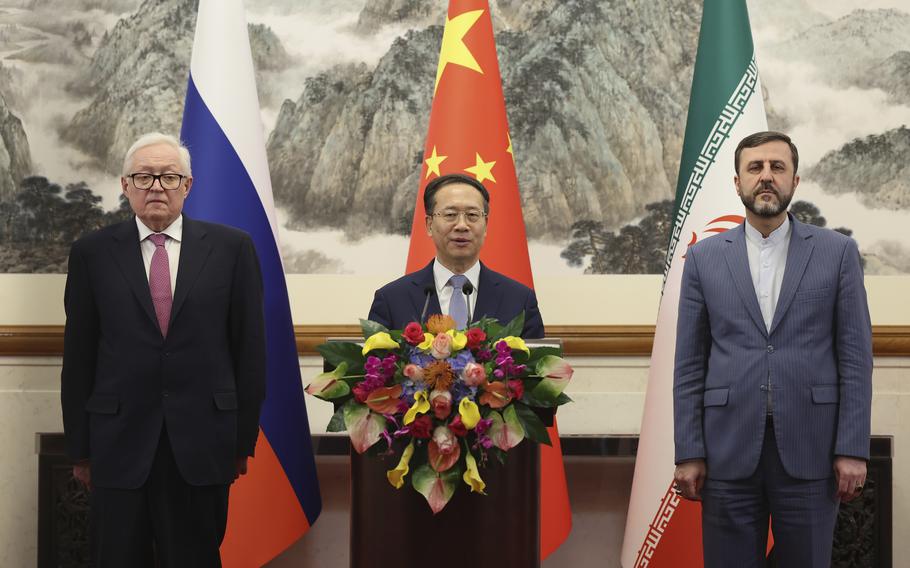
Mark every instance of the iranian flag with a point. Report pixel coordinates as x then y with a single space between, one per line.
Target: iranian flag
663 530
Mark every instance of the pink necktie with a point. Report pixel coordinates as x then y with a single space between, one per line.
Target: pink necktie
160 282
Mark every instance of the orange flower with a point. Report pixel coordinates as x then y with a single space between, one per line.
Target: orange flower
440 324
384 400
495 394
438 375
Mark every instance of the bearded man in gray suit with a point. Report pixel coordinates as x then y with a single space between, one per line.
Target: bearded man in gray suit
772 386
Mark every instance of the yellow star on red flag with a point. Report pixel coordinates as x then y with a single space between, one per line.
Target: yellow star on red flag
482 170
453 48
433 163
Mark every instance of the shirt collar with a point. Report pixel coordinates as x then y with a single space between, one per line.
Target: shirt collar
441 275
174 230
777 236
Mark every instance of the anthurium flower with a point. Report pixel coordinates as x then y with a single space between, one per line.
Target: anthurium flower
437 488
329 385
469 413
472 476
421 406
495 394
380 340
396 476
384 400
506 431
459 340
556 374
427 342
365 427
516 343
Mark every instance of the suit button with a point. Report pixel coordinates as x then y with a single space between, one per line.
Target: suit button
763 387
165 394
770 349
167 354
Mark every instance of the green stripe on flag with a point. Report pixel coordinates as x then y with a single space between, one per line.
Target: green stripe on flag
723 80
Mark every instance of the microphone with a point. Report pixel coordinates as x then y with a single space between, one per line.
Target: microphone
467 290
429 291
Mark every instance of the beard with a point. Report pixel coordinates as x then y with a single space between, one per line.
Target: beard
770 208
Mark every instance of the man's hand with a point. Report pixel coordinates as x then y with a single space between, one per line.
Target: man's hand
241 466
850 474
690 478
82 471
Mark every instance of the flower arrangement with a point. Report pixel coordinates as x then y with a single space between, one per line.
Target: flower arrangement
456 398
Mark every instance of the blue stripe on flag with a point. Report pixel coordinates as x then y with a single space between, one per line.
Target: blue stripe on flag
224 193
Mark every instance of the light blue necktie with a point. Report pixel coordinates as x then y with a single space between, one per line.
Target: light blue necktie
458 305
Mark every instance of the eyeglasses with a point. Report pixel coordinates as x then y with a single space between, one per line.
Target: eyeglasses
144 182
471 216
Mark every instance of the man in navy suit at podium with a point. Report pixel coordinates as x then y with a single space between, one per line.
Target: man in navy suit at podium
456 282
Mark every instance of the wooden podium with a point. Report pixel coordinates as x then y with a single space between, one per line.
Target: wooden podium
396 528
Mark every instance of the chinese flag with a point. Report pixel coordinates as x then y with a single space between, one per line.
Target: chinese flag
469 134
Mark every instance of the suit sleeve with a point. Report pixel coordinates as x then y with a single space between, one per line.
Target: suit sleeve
853 341
247 328
693 345
80 350
379 311
533 328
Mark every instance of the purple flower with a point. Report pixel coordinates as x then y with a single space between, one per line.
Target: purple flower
460 390
483 355
459 361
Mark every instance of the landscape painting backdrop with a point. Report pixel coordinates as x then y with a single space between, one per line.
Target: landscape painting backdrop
596 92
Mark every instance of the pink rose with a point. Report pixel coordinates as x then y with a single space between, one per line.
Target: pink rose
413 372
445 440
441 402
473 374
442 346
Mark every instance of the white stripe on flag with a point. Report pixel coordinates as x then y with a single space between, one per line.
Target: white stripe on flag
222 70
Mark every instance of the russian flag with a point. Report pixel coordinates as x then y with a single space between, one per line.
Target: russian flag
278 500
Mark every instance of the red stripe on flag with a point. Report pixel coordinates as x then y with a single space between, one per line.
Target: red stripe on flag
264 516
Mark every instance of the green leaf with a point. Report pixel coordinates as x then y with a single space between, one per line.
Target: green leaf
514 327
563 398
369 327
338 352
336 424
437 488
532 424
538 353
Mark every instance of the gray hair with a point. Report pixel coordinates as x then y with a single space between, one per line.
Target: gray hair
151 139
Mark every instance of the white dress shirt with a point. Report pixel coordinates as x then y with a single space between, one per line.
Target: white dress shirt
444 290
767 262
174 232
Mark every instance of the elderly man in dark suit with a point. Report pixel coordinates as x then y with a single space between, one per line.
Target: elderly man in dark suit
773 379
456 282
163 368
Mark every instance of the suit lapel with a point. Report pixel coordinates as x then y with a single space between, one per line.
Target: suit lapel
798 254
193 253
420 280
488 295
128 256
738 262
